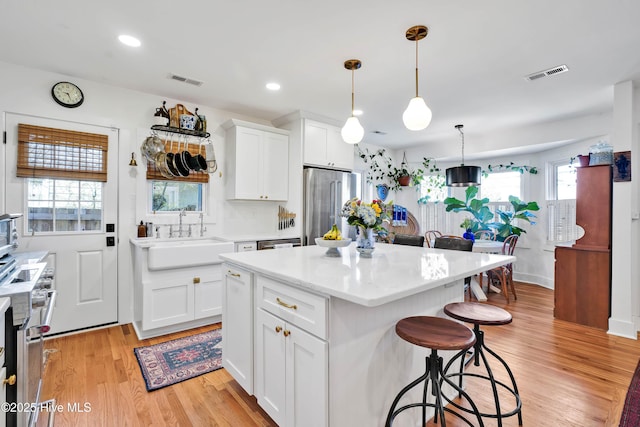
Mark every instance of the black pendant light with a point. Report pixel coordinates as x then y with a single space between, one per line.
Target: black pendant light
463 176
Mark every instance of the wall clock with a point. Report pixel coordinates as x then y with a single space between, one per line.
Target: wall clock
67 94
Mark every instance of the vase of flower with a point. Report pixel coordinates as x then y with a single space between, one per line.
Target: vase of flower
365 243
367 218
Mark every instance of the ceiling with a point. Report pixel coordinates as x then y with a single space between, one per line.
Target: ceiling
472 64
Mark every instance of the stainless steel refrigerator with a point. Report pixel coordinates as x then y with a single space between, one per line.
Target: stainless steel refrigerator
325 192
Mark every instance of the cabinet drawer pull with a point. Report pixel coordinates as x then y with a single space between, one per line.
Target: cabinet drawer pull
196 280
232 274
284 304
1 350
278 329
11 380
286 333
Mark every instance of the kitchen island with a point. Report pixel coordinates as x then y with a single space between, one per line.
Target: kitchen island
313 337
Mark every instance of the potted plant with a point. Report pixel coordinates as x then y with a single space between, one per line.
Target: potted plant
482 217
381 169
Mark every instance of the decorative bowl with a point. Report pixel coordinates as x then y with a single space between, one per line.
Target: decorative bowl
333 245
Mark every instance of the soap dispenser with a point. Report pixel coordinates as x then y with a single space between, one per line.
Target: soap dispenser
142 230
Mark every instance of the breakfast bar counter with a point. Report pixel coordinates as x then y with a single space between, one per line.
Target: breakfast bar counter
313 337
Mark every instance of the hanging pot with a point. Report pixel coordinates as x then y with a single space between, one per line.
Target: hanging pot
404 180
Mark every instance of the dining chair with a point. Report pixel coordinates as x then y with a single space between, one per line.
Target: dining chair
456 243
504 273
430 237
408 239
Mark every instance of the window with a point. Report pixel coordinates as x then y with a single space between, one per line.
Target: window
561 203
563 181
498 186
433 189
169 196
59 205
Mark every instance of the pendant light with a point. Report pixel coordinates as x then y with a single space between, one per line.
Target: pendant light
417 116
352 132
463 176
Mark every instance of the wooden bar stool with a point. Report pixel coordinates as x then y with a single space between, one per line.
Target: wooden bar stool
435 333
484 314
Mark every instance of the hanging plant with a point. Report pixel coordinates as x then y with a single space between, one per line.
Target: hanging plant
381 169
509 167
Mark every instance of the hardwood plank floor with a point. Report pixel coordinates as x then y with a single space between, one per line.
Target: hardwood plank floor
568 375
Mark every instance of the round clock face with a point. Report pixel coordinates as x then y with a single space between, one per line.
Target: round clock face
67 94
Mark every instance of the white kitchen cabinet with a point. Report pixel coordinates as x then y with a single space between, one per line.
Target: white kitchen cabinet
257 160
247 246
3 395
323 146
237 326
177 298
182 295
291 364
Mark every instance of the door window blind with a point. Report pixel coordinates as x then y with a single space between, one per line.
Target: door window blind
57 153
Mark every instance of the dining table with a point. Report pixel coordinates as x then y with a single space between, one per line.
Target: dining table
489 247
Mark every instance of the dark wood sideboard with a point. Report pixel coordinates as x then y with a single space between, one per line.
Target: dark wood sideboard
583 271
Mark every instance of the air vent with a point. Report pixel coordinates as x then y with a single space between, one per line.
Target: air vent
546 73
185 80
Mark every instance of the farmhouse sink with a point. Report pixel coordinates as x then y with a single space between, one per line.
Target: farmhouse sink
173 253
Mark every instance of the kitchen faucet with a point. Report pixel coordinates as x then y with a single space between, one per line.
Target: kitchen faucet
182 213
202 229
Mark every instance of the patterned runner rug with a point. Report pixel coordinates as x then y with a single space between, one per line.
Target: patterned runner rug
177 360
631 412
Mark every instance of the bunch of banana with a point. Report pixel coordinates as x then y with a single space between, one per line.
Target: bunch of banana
333 234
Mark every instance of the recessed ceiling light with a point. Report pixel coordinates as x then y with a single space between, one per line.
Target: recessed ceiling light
273 86
357 112
129 40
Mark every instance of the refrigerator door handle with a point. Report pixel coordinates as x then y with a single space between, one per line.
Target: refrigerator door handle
337 201
332 197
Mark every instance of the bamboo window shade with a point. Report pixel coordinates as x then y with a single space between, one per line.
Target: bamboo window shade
194 149
57 153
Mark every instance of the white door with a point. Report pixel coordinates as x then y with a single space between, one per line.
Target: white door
85 267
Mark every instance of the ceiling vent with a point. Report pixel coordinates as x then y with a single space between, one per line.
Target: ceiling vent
546 73
185 80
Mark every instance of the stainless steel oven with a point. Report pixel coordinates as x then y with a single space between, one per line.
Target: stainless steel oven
8 233
29 317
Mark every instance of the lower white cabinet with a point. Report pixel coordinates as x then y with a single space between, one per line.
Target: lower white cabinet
291 373
3 395
237 326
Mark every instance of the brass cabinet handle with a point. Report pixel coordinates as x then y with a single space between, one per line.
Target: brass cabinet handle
196 280
284 304
1 350
11 380
232 274
286 333
278 329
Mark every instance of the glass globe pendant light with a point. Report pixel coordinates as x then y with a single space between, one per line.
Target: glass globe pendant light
418 115
352 132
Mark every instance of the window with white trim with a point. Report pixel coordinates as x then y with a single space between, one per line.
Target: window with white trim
561 202
498 186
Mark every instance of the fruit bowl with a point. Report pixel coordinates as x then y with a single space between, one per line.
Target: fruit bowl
333 245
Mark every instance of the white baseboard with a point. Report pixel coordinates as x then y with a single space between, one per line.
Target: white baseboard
622 328
533 279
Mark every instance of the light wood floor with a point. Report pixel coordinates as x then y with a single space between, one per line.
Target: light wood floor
568 375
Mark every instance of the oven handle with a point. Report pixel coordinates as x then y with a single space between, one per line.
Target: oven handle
46 324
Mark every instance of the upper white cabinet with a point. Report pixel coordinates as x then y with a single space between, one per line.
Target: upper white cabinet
257 159
323 146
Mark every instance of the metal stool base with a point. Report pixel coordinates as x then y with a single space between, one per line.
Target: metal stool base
434 373
479 353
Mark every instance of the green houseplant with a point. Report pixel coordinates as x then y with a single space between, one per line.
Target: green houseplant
381 169
482 217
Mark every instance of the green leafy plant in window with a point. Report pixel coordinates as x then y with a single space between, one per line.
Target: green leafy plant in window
509 167
482 217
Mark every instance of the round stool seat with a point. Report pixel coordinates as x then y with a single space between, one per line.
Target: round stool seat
435 333
478 314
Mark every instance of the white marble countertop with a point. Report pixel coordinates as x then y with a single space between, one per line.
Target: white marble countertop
394 271
146 242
